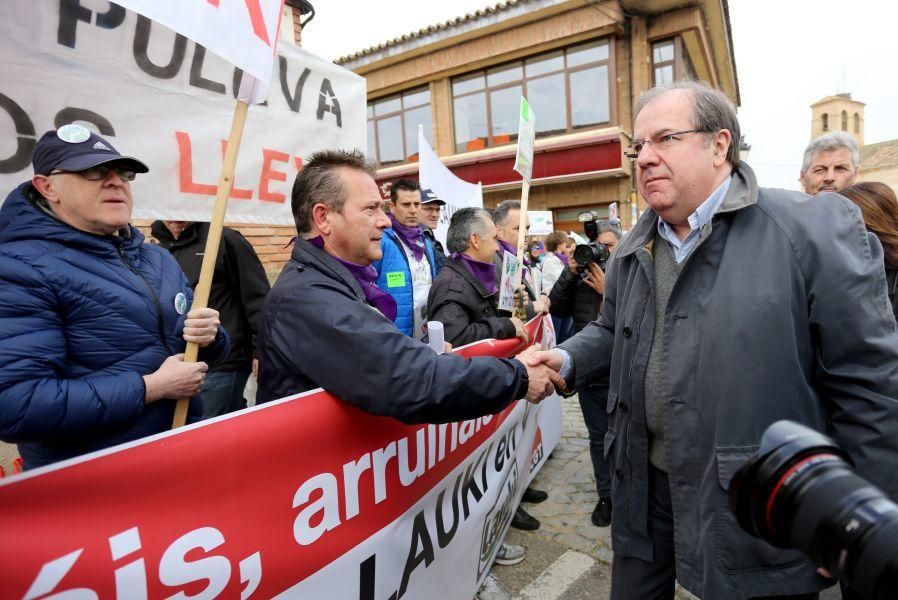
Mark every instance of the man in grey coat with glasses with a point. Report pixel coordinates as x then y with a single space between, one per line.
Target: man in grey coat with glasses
728 307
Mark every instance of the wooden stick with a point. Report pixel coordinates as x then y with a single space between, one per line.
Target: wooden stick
201 295
522 233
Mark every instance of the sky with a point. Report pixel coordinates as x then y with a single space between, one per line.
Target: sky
789 54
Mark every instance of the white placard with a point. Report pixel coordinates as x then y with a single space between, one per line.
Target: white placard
523 162
541 222
509 281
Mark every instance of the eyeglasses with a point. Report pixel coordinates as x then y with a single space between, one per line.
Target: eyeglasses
101 172
660 142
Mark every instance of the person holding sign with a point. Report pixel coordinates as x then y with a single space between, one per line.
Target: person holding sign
507 218
325 323
409 264
94 319
464 297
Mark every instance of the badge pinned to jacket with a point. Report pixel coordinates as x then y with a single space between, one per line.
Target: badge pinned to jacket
180 303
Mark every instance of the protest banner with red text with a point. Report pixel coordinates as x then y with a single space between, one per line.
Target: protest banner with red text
160 97
305 497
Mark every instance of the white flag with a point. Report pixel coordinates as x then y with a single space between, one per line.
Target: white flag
456 193
243 32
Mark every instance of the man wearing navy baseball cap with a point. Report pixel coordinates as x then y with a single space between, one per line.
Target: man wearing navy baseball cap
431 205
95 320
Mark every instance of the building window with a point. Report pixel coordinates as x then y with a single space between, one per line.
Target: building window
393 126
844 120
568 90
825 119
670 62
857 123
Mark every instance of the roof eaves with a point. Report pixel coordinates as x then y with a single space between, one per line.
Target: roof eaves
433 33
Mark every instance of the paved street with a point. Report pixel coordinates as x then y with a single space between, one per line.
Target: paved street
567 557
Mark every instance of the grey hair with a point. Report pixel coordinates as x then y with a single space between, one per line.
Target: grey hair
464 222
603 226
501 212
712 111
319 181
831 141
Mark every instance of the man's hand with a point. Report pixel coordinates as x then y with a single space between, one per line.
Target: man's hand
543 304
542 379
519 330
201 326
175 379
447 347
595 278
256 369
549 358
572 264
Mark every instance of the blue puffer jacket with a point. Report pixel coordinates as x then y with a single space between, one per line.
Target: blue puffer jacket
394 276
83 317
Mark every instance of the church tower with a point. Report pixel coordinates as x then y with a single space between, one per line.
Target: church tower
838 113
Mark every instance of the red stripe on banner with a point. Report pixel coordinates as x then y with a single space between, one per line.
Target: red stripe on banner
262 498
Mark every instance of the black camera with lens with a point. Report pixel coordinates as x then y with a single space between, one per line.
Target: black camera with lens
591 252
800 491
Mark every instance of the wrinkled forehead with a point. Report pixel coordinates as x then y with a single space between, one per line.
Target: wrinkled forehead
832 156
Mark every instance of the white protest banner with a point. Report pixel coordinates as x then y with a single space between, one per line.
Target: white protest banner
456 193
612 212
523 162
322 500
243 32
164 99
540 222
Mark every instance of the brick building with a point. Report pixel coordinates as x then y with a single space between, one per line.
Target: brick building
580 64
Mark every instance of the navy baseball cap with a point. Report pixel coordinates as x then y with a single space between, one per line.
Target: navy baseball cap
428 197
76 148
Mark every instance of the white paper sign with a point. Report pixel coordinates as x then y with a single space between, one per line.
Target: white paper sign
540 222
523 162
509 281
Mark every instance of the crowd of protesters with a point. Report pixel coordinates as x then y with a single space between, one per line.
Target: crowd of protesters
726 307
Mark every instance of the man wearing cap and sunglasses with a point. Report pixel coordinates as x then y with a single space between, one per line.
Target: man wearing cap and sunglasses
94 320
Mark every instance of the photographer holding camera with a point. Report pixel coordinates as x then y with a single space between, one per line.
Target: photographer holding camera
578 294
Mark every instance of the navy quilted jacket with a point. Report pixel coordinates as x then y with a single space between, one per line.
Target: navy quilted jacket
82 318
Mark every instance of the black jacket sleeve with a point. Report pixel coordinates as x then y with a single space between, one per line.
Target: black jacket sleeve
247 271
354 352
562 294
460 326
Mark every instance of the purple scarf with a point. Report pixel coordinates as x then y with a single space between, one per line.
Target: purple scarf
365 276
505 246
413 237
562 257
483 272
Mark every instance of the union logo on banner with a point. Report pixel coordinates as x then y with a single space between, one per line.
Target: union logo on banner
538 452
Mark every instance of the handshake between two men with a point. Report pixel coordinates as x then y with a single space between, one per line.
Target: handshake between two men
543 375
